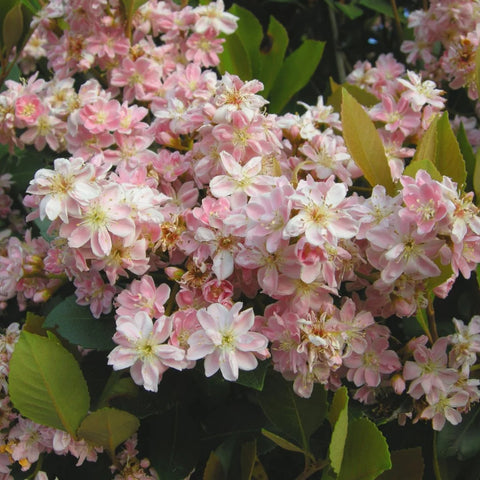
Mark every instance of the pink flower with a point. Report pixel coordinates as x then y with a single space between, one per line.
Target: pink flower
63 190
226 341
143 295
27 109
323 214
429 372
105 215
240 178
214 16
141 347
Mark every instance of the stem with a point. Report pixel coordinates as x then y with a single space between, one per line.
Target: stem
432 324
436 466
338 56
311 468
398 24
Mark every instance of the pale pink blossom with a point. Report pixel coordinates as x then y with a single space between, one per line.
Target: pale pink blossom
226 342
142 348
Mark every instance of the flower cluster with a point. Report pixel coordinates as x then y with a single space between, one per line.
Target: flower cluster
453 29
176 202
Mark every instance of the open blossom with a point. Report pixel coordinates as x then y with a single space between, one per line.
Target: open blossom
322 214
105 215
226 342
142 348
63 190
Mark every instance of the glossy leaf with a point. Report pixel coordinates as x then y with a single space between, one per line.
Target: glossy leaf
364 144
46 383
424 164
214 469
449 158
363 97
440 146
380 6
76 324
422 320
108 428
366 453
427 148
295 73
272 54
463 440
468 156
281 442
338 418
250 32
115 387
445 273
476 177
255 378
173 442
34 324
407 463
234 58
241 49
295 417
12 30
7 6
248 455
477 69
349 9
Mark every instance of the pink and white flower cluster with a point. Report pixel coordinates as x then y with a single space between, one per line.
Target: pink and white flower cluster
177 201
454 30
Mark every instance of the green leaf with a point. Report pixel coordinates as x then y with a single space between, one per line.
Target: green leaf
241 49
297 418
349 9
117 387
250 33
108 428
34 324
46 383
281 442
412 169
255 378
366 453
476 177
76 324
234 58
7 5
468 156
407 463
477 69
445 273
364 144
380 6
449 159
427 148
338 418
214 469
463 440
172 442
440 146
12 29
272 54
422 320
295 73
363 97
248 455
